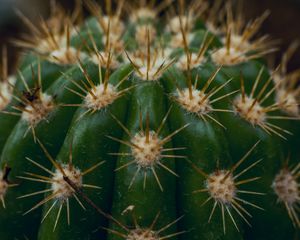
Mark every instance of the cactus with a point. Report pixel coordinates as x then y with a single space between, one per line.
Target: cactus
149 121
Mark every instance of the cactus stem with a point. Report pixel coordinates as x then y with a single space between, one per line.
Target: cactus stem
147 149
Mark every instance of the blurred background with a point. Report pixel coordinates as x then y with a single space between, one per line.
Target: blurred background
283 23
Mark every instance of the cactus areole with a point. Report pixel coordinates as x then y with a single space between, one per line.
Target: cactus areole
149 121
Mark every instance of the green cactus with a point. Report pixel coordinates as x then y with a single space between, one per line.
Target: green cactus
149 121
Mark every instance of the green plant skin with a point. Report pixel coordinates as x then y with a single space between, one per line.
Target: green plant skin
190 181
206 144
18 148
89 129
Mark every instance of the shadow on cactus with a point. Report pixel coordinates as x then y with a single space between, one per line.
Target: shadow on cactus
149 121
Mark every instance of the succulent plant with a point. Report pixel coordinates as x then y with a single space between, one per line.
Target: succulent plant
149 121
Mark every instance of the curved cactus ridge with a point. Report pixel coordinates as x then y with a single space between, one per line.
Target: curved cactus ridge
149 121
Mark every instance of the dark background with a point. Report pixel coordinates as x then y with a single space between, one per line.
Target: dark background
283 23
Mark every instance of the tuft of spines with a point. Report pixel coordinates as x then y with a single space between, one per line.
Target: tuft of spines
5 184
144 233
200 101
286 188
60 191
147 149
238 36
251 107
110 24
223 188
51 38
97 96
6 82
149 65
287 92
